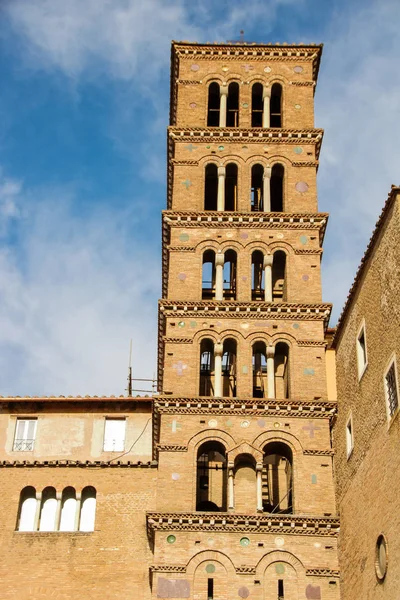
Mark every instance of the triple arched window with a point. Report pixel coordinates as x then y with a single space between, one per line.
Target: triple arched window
241 484
52 511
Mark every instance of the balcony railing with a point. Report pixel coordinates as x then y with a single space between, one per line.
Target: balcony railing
23 445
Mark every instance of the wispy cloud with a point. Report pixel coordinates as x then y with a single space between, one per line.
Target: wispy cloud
358 104
75 292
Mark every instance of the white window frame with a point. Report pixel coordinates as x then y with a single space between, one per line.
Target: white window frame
349 436
25 444
362 361
111 445
392 361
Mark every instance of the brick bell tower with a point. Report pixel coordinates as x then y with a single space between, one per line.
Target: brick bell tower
245 500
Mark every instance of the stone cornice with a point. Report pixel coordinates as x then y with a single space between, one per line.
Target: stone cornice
76 399
101 464
235 523
322 572
240 310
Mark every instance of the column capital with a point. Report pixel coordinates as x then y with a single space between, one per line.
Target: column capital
268 260
267 172
266 92
218 349
223 90
259 467
270 351
219 259
221 171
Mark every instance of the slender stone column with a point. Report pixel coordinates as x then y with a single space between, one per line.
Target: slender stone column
268 260
58 512
231 494
37 513
223 101
266 107
221 189
218 348
267 189
219 275
259 487
77 510
271 371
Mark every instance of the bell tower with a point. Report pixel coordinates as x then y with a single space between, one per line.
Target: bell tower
245 501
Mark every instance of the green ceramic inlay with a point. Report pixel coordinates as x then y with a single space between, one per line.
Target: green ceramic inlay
210 569
296 325
171 539
244 541
193 324
184 237
303 239
298 150
221 147
245 105
313 479
181 324
309 371
245 369
280 568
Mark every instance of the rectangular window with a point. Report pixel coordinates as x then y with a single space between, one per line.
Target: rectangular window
362 359
114 435
210 589
349 436
391 389
281 592
25 433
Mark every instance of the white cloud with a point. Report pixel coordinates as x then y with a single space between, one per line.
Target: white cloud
9 196
358 104
72 295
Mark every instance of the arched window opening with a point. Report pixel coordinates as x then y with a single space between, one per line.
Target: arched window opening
206 367
211 478
211 187
68 509
277 175
279 277
231 187
27 509
48 510
208 275
276 106
257 105
260 382
245 484
230 275
213 105
257 198
277 478
282 379
88 509
229 368
257 275
232 115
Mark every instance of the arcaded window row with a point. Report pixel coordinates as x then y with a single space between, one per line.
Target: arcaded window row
224 101
268 276
266 193
49 510
218 369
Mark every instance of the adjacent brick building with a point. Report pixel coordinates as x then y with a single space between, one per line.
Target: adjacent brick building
367 430
220 487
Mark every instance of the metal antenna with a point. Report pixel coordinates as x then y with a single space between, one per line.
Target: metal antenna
241 35
129 389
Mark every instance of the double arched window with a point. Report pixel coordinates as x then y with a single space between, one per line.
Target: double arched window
270 367
268 276
223 105
220 187
219 275
50 511
266 105
218 368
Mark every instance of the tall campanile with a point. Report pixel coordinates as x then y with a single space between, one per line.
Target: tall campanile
245 498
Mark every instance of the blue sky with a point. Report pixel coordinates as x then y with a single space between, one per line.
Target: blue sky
83 111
